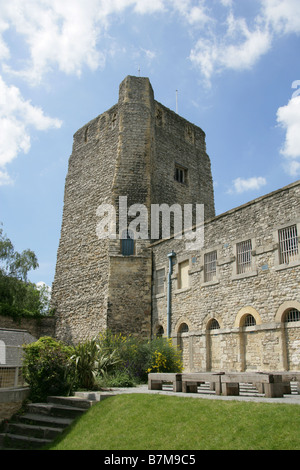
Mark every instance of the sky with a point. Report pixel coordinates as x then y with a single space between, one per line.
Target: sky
234 63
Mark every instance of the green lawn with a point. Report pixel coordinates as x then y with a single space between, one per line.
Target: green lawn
160 422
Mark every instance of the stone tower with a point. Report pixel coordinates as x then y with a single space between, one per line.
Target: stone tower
142 151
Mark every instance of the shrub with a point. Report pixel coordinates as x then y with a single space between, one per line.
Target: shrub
48 368
164 357
92 361
139 357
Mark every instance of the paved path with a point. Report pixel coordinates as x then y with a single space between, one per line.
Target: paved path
287 399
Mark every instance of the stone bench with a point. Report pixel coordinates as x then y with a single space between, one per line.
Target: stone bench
290 376
191 381
269 384
156 381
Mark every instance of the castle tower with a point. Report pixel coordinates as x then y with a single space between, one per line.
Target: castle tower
146 154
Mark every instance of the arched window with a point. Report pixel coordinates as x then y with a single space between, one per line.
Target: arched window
213 324
249 320
127 243
292 315
160 332
183 328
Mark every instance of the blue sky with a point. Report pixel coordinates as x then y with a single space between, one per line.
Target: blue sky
235 64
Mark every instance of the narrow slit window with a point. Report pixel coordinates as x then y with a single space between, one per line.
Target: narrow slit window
160 281
180 174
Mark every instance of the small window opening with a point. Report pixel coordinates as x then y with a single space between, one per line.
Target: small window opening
210 266
249 320
180 175
160 332
288 244
292 315
127 243
183 328
213 325
244 256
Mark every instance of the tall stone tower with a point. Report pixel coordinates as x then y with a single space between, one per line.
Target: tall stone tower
141 151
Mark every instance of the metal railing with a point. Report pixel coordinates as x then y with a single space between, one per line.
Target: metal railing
11 366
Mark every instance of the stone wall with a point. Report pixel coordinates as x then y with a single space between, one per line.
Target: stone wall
129 151
266 291
26 327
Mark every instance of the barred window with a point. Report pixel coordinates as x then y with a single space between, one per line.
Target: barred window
249 320
213 324
180 174
210 266
244 256
183 328
292 315
160 281
288 244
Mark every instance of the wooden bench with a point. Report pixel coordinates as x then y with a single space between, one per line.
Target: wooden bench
190 382
156 381
269 384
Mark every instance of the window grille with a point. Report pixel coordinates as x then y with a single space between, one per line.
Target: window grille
292 315
244 257
288 244
249 320
160 281
213 325
210 266
183 328
180 174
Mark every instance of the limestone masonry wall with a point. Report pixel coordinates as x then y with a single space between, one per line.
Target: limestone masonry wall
227 312
131 150
266 291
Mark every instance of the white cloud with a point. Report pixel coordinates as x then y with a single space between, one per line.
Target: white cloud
5 179
17 116
283 16
239 48
288 117
63 34
241 185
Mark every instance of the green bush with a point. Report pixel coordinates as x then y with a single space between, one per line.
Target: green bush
139 357
92 361
48 368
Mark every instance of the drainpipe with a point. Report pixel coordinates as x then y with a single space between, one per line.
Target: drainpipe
170 256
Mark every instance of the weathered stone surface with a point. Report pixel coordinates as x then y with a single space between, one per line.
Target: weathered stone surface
130 150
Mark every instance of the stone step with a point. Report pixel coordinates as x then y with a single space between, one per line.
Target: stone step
53 409
24 442
44 420
76 402
33 430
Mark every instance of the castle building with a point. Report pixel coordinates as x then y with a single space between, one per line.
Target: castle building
231 301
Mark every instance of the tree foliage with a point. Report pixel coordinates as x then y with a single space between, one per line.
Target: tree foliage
18 296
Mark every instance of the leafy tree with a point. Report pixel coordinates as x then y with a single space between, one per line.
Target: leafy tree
18 296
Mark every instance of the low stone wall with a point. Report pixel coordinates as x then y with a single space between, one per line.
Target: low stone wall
11 401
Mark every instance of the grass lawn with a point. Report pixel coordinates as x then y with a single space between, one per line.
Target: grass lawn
160 422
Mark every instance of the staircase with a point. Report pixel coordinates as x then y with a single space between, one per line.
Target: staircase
42 422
